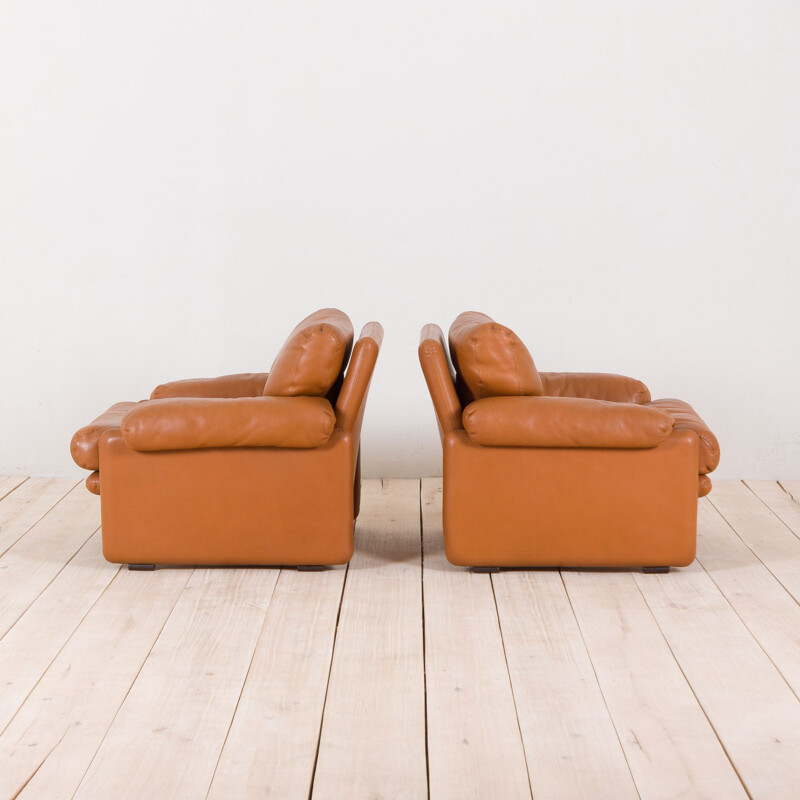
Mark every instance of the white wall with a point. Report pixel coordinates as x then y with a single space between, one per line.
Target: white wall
618 181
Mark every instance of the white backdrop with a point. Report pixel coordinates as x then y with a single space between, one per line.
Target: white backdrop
180 182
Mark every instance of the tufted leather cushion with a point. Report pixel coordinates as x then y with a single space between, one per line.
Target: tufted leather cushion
313 358
687 419
490 360
85 445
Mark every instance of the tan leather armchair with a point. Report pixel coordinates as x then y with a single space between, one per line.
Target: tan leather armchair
259 468
559 469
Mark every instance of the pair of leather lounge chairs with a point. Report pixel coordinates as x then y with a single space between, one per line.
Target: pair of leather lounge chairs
540 469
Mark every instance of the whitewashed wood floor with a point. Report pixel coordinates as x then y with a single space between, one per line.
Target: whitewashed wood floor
401 676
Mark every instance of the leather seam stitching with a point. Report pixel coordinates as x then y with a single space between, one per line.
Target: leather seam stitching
513 346
474 338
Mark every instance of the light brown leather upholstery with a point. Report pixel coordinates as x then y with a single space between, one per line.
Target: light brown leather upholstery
313 357
93 483
228 505
585 476
85 444
570 507
490 360
193 423
351 401
564 422
248 384
228 475
596 386
440 379
687 419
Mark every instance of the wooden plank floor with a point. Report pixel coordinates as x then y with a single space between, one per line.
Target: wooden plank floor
399 676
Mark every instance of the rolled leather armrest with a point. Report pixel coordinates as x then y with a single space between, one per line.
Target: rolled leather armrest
188 424
686 418
564 422
85 444
246 384
595 386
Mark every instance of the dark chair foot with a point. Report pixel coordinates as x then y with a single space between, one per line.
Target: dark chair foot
655 570
141 567
310 567
482 570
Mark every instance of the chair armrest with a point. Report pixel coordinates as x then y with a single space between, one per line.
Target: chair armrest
687 419
188 424
85 444
595 386
246 384
564 422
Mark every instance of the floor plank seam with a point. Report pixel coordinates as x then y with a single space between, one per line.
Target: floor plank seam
244 683
39 765
14 488
747 627
597 681
511 686
34 524
791 496
760 560
136 677
694 694
328 682
58 653
49 583
424 651
710 574
773 512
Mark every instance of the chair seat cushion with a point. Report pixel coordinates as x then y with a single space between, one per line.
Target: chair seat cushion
85 444
687 419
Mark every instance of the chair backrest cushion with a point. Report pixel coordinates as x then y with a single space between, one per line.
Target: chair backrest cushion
313 358
490 360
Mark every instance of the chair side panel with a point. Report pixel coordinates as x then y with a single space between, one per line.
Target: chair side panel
570 507
235 505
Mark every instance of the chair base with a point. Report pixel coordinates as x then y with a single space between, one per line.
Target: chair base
485 570
141 567
310 567
655 570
